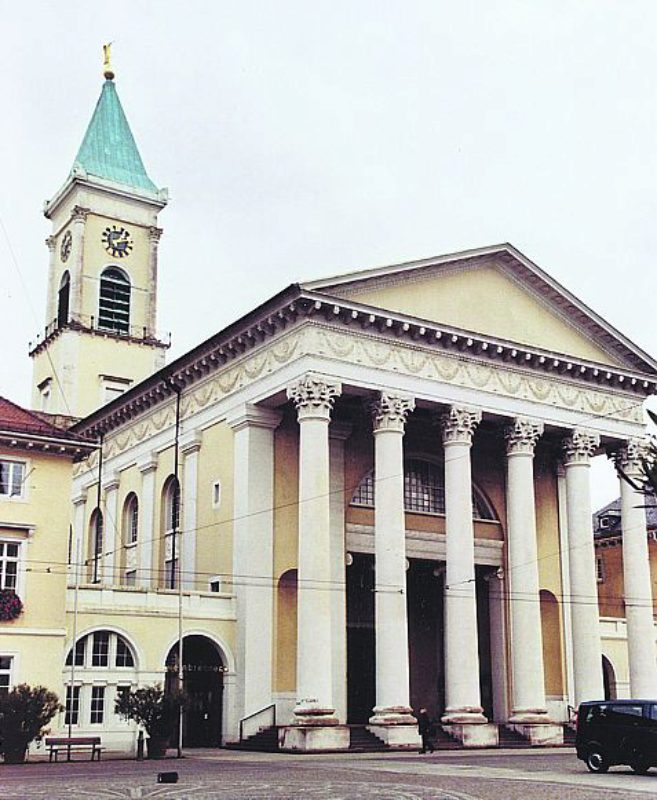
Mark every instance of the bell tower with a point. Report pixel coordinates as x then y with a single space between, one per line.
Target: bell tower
101 305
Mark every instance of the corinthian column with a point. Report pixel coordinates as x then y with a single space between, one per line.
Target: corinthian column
587 659
528 699
636 574
391 624
154 235
313 396
462 693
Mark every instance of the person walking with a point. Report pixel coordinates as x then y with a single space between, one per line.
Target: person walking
424 729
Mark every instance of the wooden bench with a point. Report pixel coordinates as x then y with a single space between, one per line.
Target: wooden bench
74 743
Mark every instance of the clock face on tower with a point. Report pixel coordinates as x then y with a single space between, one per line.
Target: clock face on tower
67 244
117 241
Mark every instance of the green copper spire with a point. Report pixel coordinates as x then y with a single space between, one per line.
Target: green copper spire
108 150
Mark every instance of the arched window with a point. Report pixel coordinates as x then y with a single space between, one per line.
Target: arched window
171 526
95 545
130 538
63 297
424 491
105 666
114 303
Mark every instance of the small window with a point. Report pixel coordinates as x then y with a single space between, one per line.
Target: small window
215 585
653 711
216 494
123 655
100 652
72 714
604 523
44 394
97 705
79 653
600 569
112 387
130 577
9 552
12 478
5 674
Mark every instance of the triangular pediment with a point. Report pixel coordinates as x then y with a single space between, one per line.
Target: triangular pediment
495 292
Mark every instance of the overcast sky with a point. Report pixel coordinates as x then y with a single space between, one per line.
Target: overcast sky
301 139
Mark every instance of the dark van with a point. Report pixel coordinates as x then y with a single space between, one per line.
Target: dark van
617 732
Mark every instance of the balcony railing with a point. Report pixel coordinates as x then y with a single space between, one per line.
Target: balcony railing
91 324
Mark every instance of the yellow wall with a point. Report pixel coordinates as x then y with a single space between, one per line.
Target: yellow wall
483 300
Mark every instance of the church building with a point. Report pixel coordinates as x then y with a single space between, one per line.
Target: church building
368 495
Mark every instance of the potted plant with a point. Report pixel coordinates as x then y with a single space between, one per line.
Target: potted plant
11 606
24 713
158 711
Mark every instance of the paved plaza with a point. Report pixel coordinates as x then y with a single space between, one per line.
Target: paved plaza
227 775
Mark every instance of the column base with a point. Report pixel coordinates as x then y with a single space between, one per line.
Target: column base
313 738
466 715
542 734
311 714
474 734
392 715
529 716
398 737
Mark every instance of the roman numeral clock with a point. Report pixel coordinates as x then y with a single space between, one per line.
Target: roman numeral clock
117 241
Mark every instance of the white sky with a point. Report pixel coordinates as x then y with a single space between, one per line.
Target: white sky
300 139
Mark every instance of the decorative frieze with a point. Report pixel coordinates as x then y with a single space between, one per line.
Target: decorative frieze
314 396
521 436
458 425
579 447
389 411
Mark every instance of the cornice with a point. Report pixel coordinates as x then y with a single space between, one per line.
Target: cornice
47 445
250 339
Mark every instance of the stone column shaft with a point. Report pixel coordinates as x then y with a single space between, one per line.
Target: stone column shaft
587 653
390 612
190 447
462 692
147 468
154 235
528 697
111 534
636 577
313 397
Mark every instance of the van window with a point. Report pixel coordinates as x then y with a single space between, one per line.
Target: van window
653 711
627 711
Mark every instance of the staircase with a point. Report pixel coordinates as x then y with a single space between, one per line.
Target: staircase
511 738
443 741
363 741
264 741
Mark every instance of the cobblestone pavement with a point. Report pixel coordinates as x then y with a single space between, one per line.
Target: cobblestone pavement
226 775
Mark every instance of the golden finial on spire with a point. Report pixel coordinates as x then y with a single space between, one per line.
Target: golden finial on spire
108 72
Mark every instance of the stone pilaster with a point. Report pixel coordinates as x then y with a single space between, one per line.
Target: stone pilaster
578 448
147 469
76 269
190 447
636 573
111 533
389 414
154 235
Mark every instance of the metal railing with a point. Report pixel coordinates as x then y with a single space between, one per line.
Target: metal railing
90 323
254 719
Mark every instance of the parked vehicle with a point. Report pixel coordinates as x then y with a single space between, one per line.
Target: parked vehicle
613 732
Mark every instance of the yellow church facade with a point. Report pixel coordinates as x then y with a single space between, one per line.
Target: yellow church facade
368 495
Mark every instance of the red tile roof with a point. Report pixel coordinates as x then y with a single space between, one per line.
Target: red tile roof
18 419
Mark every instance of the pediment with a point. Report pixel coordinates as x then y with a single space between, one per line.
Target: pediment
495 292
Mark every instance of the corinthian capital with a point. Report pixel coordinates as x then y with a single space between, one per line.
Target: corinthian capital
458 425
51 241
389 411
579 447
630 457
154 234
314 395
521 436
79 213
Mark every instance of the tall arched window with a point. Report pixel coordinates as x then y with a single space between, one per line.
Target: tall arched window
95 545
424 491
130 539
114 303
171 527
63 298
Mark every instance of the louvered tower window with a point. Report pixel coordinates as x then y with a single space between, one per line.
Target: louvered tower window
114 305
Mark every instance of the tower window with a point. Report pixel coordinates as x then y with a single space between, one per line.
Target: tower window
114 304
63 299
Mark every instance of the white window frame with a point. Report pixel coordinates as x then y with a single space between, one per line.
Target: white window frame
20 575
11 670
112 386
23 496
216 579
103 706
